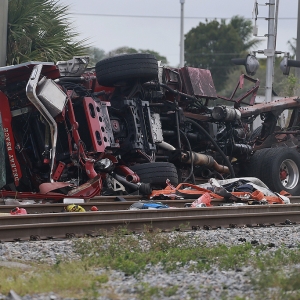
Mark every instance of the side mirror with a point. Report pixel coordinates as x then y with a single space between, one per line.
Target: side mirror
250 62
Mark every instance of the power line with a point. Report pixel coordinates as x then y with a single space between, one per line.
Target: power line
140 16
161 17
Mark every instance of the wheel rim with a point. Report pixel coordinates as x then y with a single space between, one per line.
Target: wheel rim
289 174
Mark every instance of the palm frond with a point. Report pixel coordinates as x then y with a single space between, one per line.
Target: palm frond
40 30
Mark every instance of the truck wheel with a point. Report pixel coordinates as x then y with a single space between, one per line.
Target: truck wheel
125 69
280 170
256 132
254 166
156 173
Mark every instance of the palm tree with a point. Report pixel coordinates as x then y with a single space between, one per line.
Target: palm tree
40 30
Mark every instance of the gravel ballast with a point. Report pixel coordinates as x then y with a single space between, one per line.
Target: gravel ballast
211 284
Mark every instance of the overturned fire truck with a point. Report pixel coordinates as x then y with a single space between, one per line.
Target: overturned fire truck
129 125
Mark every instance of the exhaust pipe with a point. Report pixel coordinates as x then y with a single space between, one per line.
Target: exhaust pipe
143 188
166 146
33 98
205 160
128 173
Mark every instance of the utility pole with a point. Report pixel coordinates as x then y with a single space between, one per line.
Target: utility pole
297 70
181 64
270 51
3 31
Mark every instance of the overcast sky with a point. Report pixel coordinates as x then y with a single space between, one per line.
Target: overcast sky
155 24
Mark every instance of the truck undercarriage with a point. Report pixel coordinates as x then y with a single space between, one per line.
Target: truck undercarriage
129 125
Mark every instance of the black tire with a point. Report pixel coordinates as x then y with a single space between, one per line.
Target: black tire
254 166
126 69
256 132
281 170
156 173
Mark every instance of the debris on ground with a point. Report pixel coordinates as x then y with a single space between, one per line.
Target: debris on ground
246 190
147 205
74 208
18 211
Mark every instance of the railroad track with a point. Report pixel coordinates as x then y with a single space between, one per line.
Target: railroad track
101 205
58 225
105 203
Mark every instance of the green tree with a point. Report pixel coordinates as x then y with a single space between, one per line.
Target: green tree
95 55
40 30
128 50
283 86
212 45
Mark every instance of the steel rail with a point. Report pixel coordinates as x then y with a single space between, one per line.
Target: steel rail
294 199
143 213
102 206
8 219
112 198
94 199
105 203
24 227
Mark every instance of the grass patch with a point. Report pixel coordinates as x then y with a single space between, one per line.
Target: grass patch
70 279
147 292
274 275
277 276
132 253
